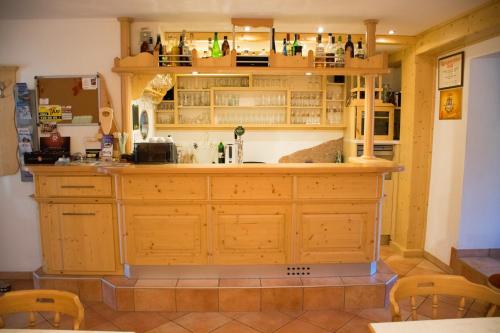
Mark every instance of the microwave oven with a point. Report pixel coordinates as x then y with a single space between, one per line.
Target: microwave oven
383 123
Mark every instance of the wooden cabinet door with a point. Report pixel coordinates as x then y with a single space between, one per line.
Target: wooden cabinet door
336 233
251 234
78 237
164 235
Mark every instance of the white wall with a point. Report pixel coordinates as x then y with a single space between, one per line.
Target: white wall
49 47
480 222
447 170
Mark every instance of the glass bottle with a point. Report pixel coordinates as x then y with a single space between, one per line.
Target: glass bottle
360 51
295 44
330 51
273 43
216 52
289 45
220 151
284 46
225 47
320 52
181 47
339 54
210 46
349 47
175 52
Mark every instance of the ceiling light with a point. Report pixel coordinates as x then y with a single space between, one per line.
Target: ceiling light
194 73
392 32
247 28
320 30
309 73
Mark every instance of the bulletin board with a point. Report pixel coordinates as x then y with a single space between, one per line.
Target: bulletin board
77 96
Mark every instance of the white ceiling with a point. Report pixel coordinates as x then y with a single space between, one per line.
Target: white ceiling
407 17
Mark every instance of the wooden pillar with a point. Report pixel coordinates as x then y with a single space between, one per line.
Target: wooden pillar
8 149
369 93
125 36
126 90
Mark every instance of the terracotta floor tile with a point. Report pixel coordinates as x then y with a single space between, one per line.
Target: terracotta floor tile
293 313
235 327
455 300
202 322
139 322
282 299
361 280
285 282
426 264
198 283
92 318
444 311
405 303
154 299
356 325
120 281
232 314
328 319
380 314
232 283
90 290
386 251
382 267
169 327
239 299
125 300
21 284
362 297
109 295
158 283
106 326
265 322
402 265
422 271
187 299
105 311
324 298
171 315
299 326
21 320
322 281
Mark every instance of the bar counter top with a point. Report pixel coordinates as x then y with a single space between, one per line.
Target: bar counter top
263 168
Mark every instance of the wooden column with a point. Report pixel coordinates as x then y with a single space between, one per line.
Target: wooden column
125 36
8 136
126 90
369 93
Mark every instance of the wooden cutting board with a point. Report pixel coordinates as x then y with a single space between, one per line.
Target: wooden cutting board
8 136
106 119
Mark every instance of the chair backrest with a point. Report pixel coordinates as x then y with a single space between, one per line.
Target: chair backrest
435 285
42 300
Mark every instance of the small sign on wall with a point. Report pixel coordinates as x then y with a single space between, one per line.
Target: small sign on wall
450 104
451 71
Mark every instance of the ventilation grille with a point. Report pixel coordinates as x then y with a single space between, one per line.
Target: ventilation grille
298 270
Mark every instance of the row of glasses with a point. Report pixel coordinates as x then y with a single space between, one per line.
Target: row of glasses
194 98
309 82
194 116
251 116
270 82
199 82
306 99
166 106
334 93
270 99
165 117
306 116
227 99
334 114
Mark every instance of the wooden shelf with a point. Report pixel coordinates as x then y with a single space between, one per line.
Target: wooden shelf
194 107
195 90
306 107
251 106
251 126
334 100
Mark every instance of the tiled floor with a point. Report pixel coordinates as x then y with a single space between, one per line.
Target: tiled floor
99 316
485 265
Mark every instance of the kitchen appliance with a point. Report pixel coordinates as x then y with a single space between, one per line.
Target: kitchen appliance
155 152
252 61
51 148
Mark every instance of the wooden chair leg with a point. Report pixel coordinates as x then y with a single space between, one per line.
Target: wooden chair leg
32 319
57 319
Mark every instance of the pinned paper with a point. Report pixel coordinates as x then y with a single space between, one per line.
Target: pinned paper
43 101
67 114
89 83
49 113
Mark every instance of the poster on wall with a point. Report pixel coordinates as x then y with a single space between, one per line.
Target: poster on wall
451 71
450 104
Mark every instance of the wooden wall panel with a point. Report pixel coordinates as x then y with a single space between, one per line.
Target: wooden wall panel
338 186
251 187
164 187
75 186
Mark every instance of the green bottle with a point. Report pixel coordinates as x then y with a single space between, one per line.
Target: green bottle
220 150
295 44
216 52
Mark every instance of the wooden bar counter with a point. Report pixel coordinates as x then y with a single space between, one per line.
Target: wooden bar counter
199 215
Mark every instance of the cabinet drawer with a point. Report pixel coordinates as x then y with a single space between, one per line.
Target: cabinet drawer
74 186
361 186
164 187
252 187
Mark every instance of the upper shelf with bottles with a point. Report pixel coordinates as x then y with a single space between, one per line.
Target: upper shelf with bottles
188 53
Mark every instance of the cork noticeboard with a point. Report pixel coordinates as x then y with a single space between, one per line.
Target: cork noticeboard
77 96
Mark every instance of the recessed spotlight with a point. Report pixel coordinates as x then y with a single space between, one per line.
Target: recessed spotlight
392 32
309 73
247 28
194 73
320 30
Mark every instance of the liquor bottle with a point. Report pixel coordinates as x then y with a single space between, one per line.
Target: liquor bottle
187 49
167 51
151 46
349 47
360 52
181 48
330 51
339 54
158 48
295 44
284 46
210 46
273 43
289 46
299 47
175 52
216 52
220 150
225 47
320 52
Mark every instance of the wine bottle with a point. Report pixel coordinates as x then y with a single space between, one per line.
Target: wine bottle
299 47
284 46
360 52
210 46
225 47
216 52
289 47
158 48
181 47
349 47
339 54
330 51
320 52
273 43
220 148
295 44
175 52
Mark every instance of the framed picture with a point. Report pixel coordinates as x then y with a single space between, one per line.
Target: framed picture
450 104
451 71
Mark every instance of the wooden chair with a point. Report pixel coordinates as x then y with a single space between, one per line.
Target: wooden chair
42 300
435 285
